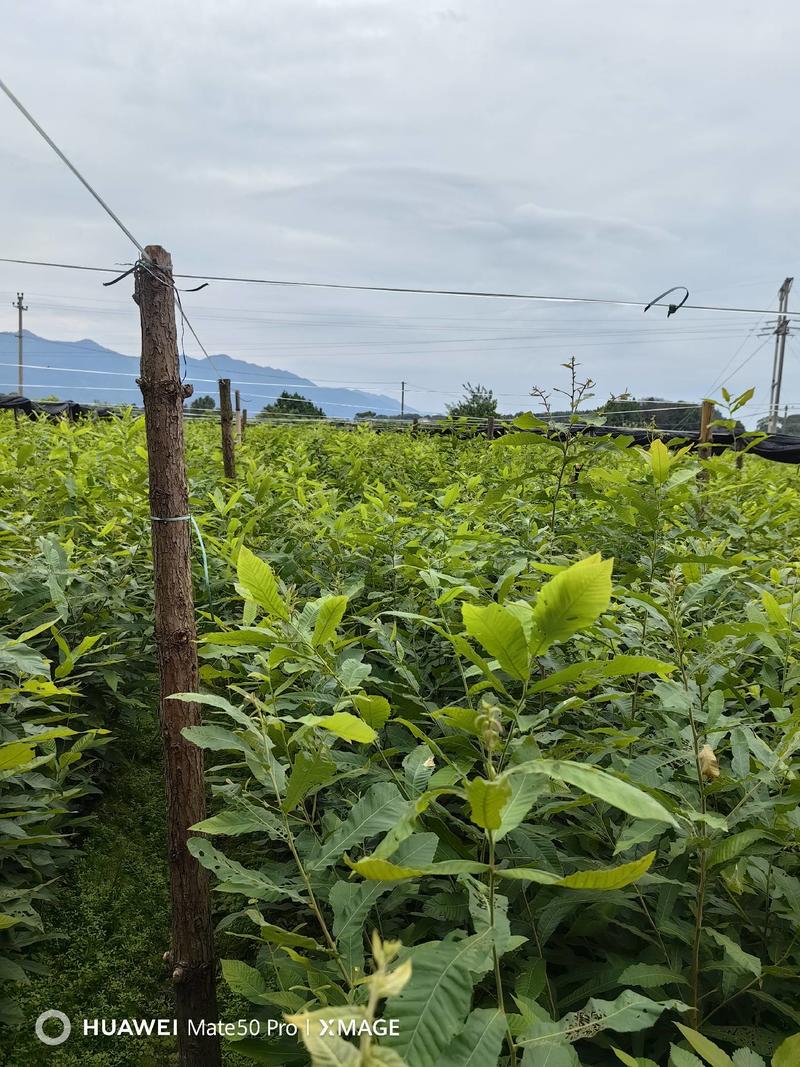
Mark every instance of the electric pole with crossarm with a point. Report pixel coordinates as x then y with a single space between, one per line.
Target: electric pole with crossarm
781 330
20 308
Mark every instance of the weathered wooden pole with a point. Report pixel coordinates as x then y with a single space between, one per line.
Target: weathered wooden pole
191 956
490 428
226 422
244 421
238 397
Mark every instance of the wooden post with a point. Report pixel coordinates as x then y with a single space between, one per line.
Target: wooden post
490 428
238 398
192 953
226 421
706 416
244 421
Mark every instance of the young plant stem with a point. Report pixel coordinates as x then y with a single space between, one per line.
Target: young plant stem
498 978
700 892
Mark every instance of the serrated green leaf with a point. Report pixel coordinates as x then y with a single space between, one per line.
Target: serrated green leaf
330 612
679 1057
571 601
733 846
597 783
500 632
309 770
741 961
745 1057
478 1044
258 583
234 823
244 980
525 791
375 812
590 673
214 738
432 1007
650 976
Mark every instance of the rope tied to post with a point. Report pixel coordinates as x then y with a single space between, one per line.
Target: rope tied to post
201 542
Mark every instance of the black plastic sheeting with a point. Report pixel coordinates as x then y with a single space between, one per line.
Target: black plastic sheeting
778 447
67 409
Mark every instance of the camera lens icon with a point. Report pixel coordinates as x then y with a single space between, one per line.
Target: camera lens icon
59 1039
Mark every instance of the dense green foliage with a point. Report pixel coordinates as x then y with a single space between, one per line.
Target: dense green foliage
477 402
292 404
526 709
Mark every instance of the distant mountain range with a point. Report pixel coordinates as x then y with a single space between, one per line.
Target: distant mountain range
99 375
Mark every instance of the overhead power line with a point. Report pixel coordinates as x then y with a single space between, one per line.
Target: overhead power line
469 293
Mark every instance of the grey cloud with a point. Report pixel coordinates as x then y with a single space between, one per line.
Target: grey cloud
493 144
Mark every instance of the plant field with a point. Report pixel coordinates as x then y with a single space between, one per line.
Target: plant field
501 741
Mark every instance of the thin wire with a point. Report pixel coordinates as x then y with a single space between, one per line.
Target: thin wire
252 396
421 292
744 362
717 383
21 107
236 381
410 387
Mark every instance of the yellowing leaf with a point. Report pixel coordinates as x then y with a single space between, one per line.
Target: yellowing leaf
487 800
500 632
775 612
379 870
707 1049
343 724
13 755
323 1044
571 601
609 877
787 1054
257 583
373 709
660 461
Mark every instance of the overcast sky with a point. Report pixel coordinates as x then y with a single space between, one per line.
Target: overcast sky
566 148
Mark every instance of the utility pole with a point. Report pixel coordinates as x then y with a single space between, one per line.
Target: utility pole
191 956
402 399
781 330
20 308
